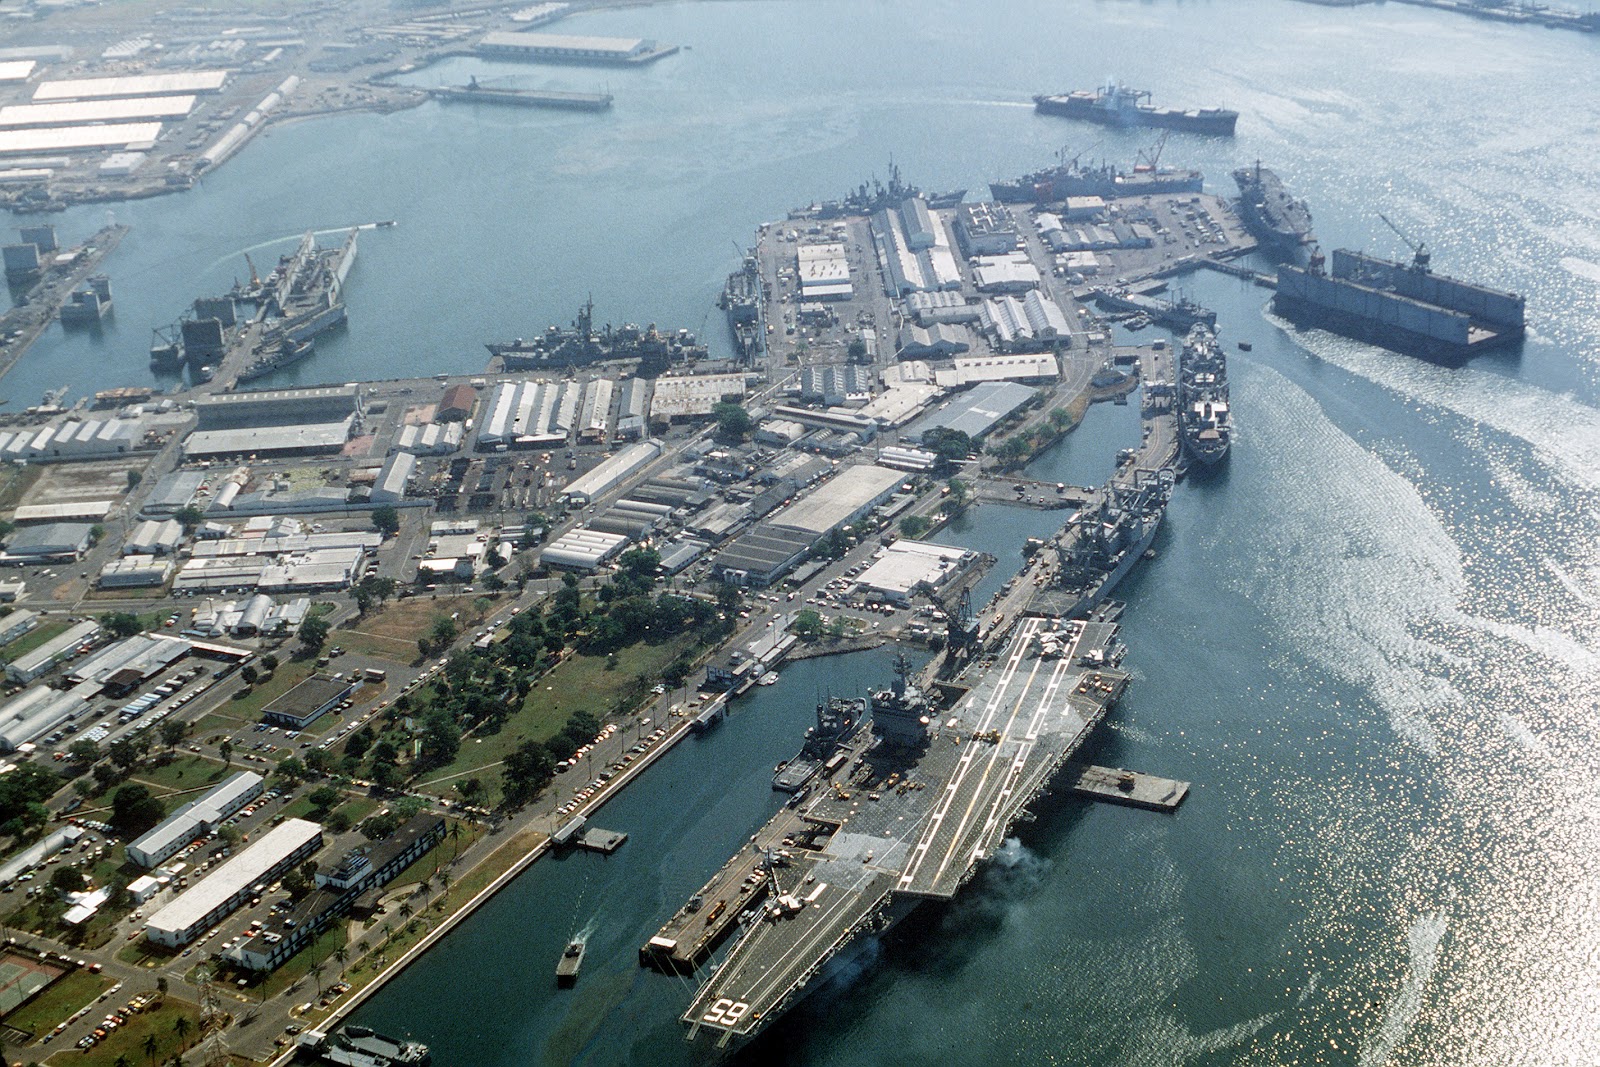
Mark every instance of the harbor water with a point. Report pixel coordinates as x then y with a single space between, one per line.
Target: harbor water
1369 641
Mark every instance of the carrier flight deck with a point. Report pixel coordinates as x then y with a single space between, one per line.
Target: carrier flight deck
923 798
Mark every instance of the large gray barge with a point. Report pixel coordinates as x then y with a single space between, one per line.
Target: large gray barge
1403 308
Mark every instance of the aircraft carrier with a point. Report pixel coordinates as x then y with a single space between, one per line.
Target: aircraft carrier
1279 221
909 809
1118 105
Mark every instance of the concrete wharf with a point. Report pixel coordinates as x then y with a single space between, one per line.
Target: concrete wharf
1118 786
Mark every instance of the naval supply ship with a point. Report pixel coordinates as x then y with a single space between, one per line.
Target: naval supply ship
1404 308
1279 221
581 344
1204 421
1180 314
1118 105
1071 177
908 810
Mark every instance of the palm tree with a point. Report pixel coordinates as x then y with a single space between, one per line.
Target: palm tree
122 1061
150 1044
406 910
341 954
226 748
455 836
181 1026
316 972
388 932
444 881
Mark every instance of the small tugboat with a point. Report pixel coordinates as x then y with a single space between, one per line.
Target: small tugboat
571 960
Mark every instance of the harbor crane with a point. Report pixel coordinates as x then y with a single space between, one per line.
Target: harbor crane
1419 251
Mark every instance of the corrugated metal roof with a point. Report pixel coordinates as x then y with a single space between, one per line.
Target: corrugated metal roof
199 81
70 113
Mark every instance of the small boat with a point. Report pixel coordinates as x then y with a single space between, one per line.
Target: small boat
770 678
571 960
1244 346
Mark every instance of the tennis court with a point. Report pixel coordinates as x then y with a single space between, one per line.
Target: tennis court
21 978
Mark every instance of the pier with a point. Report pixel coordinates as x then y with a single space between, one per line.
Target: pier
41 304
1117 786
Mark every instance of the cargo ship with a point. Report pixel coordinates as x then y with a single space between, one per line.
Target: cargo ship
581 344
357 1046
1404 308
1118 105
1069 177
1205 427
837 721
1279 221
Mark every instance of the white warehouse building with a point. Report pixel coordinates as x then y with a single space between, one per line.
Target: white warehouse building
216 897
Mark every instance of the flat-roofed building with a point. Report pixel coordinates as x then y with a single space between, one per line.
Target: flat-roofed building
195 81
694 395
271 407
907 568
72 113
195 819
842 500
74 138
975 412
216 896
566 47
306 702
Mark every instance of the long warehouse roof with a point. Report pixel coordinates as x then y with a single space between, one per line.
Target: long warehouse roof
259 857
16 70
199 81
61 138
66 113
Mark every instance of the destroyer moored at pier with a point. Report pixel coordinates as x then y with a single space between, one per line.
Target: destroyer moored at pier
1119 105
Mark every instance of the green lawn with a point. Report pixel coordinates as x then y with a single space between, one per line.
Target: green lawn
128 1039
35 637
185 773
69 993
579 683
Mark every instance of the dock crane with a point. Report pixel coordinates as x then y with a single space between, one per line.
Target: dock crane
1152 157
1420 258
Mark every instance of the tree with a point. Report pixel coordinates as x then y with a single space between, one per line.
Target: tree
181 1026
123 753
314 632
96 532
324 797
134 478
956 502
341 954
149 1045
83 753
67 880
807 624
226 750
441 739
121 623
915 526
249 675
269 663
950 446
134 810
386 520
172 731
733 421
189 517
292 770
856 351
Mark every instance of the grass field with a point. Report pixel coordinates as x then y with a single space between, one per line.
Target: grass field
183 774
67 995
392 633
578 683
33 639
128 1040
